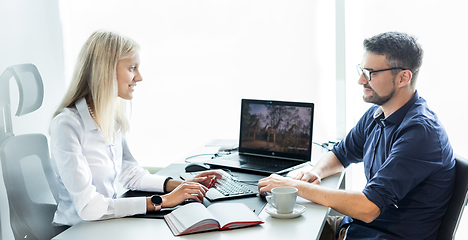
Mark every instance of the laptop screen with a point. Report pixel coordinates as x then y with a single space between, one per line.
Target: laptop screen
276 129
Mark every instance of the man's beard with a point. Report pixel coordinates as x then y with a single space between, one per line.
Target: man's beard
375 98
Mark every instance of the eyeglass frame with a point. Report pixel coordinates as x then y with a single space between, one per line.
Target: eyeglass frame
363 71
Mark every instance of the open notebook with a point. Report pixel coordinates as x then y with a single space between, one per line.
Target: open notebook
275 136
195 217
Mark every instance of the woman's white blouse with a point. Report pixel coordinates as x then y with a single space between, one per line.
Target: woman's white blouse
88 169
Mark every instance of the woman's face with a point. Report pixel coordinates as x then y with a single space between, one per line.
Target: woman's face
128 74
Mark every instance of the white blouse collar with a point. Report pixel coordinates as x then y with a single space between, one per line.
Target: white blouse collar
83 110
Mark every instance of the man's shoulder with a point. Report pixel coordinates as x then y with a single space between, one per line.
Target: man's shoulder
424 130
420 113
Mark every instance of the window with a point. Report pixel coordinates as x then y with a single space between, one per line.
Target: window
200 58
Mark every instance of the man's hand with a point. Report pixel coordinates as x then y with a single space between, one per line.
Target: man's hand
266 184
308 176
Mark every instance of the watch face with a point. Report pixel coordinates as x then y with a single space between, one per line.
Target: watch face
156 200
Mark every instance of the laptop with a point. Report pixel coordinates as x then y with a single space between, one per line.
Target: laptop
275 137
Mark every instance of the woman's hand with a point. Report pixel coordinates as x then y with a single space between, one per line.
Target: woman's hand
185 190
204 178
308 176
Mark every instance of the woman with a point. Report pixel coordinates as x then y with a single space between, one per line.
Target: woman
88 144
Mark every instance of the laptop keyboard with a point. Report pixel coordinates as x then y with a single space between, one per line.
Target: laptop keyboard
230 187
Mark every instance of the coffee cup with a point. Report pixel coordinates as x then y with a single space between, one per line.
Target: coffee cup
283 199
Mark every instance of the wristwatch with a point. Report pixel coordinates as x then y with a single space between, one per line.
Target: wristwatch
157 202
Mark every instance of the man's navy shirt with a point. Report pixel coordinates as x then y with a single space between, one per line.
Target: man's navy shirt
409 167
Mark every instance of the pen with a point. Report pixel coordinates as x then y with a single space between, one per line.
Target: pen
211 182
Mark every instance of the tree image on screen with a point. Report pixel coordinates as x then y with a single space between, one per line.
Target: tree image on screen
276 128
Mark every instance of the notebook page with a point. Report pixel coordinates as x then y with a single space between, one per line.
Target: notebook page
191 214
226 213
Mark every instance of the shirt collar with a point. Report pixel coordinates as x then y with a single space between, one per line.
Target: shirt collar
398 116
83 110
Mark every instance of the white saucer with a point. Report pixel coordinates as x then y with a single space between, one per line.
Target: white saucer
297 211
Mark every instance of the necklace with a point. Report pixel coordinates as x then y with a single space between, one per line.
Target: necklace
92 115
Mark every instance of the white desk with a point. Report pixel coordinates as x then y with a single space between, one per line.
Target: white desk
307 226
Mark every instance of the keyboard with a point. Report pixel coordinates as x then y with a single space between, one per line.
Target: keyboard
227 187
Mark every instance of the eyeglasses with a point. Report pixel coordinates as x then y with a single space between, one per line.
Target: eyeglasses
368 74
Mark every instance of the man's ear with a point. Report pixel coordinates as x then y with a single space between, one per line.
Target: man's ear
405 77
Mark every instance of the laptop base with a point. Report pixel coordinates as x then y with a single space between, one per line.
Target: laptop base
237 164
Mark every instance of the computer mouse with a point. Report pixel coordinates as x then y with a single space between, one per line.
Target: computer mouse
196 167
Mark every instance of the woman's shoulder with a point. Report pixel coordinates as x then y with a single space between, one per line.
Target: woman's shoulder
68 116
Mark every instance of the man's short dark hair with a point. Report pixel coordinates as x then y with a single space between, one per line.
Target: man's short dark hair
400 49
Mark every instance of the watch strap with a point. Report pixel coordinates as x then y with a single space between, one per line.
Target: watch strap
156 207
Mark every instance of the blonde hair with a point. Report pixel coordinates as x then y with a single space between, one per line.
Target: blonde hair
95 78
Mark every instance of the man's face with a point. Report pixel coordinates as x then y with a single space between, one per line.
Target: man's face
382 85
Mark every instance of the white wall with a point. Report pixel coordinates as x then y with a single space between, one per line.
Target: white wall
199 58
31 33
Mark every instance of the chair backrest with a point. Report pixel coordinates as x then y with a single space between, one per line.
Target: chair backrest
457 203
31 186
31 94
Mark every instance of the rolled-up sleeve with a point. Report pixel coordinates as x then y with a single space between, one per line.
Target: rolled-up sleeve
406 166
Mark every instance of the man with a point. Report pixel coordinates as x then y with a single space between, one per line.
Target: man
408 160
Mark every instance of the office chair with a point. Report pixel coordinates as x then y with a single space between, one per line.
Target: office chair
457 203
30 181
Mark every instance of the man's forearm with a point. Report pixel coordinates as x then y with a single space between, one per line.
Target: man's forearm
353 204
328 165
